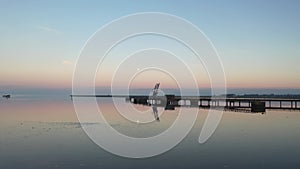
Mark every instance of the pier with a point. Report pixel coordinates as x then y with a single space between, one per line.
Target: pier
256 104
253 104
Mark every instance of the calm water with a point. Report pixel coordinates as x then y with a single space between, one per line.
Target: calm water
43 132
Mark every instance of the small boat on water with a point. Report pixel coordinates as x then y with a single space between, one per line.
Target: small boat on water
6 96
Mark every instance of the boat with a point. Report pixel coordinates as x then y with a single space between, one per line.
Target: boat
6 96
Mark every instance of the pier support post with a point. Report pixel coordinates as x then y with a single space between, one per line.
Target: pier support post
280 103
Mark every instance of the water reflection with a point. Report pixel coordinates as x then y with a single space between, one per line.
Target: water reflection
155 112
45 133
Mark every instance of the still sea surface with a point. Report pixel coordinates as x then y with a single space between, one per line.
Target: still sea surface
42 131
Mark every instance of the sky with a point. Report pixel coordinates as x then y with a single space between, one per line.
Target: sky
257 41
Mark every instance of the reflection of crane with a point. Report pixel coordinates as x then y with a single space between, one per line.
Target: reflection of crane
155 112
155 90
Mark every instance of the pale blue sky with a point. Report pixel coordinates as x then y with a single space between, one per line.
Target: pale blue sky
258 41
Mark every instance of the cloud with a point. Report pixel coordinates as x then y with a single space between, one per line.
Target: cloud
48 29
66 62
